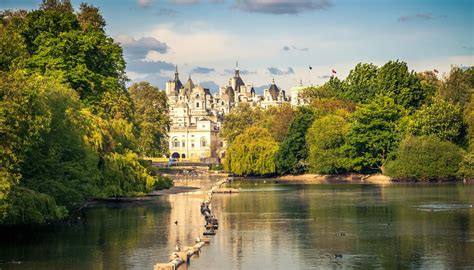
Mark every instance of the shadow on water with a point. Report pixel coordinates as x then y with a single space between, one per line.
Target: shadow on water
107 236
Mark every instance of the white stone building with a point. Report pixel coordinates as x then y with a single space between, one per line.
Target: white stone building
196 115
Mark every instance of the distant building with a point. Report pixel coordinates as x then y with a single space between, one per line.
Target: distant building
197 115
295 91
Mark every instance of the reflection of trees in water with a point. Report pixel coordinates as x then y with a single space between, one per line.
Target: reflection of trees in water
104 238
382 226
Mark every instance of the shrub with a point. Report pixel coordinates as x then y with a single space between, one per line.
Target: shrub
425 158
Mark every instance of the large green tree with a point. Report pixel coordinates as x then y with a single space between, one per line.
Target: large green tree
252 153
292 154
151 114
373 134
395 80
359 86
440 118
326 139
459 85
240 118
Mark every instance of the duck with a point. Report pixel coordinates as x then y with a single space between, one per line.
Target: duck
337 256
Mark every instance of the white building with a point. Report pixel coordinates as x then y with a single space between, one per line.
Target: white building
196 115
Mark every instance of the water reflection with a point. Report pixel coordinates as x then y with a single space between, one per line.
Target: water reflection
266 226
371 226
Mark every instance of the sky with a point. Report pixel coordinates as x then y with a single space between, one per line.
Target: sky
281 39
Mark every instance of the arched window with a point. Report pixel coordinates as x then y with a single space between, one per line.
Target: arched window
175 142
175 155
183 144
197 104
183 156
203 142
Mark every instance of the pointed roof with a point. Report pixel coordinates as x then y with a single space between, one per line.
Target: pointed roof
189 84
238 80
273 90
178 85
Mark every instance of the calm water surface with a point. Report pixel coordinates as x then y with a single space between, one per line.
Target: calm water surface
267 226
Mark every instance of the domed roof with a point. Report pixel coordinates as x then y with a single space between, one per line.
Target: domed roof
274 91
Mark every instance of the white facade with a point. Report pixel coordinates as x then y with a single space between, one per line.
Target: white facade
196 115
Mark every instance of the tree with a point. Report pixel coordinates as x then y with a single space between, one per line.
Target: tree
292 153
326 139
459 86
394 80
332 88
252 153
151 113
430 84
240 118
425 158
441 119
372 136
276 119
57 5
89 18
359 86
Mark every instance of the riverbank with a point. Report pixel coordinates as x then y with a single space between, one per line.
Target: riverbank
328 179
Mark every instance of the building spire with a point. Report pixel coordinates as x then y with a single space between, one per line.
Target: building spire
176 72
237 73
273 80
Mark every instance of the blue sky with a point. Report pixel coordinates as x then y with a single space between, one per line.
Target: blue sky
281 38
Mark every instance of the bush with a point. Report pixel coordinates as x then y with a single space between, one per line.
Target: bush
163 182
425 158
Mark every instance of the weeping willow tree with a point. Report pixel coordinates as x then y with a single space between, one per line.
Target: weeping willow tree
252 153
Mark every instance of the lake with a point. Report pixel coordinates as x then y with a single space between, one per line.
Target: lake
266 226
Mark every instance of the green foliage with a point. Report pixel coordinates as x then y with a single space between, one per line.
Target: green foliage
240 118
151 113
60 163
123 175
292 153
163 182
466 169
425 158
440 118
459 86
252 153
67 124
394 80
468 117
90 19
276 119
23 117
359 86
26 206
372 136
326 140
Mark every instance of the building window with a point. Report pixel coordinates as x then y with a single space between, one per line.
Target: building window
175 142
183 144
192 145
221 144
203 142
197 104
183 156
